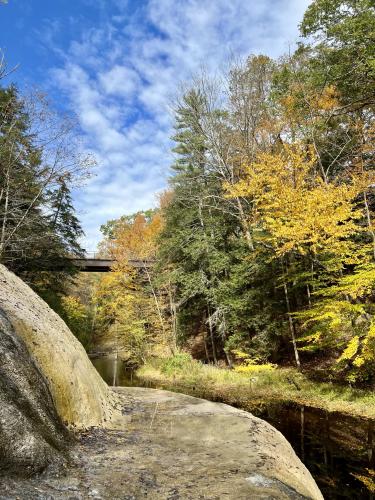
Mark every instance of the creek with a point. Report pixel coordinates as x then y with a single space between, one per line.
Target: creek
337 449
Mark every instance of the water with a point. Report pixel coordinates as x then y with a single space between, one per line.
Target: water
338 450
115 372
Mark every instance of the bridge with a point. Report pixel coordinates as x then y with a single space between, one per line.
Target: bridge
94 262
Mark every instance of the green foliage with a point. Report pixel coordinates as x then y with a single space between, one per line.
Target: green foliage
265 242
75 315
125 316
267 386
250 368
345 45
342 319
180 361
202 252
62 219
251 365
38 227
268 240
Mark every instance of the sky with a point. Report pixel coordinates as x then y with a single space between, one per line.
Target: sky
118 64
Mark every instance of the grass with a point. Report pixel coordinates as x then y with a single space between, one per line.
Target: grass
254 390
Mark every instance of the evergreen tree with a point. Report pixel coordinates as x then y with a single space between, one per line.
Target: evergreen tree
38 228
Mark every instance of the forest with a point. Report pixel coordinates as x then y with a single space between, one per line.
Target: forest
262 248
261 251
249 281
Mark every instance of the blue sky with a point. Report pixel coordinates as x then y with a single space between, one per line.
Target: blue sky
118 64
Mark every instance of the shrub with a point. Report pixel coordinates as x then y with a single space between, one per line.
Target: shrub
178 362
251 365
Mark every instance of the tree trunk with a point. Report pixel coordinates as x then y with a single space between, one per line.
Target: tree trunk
172 306
308 294
6 205
212 337
205 346
291 326
229 361
369 222
245 226
155 298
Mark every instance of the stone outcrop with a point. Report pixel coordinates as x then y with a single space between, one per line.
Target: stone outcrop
32 435
81 397
171 446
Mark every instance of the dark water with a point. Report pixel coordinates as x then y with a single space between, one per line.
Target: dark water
115 373
339 451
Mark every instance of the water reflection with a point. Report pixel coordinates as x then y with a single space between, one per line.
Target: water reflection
338 450
114 371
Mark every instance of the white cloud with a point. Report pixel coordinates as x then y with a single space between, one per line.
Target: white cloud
119 79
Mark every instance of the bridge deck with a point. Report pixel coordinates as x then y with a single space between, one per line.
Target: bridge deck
104 265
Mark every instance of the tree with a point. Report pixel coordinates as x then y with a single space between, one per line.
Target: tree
344 32
265 242
343 317
187 241
39 162
301 217
296 160
131 307
125 317
76 316
62 218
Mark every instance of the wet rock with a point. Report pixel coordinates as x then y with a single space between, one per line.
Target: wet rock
186 448
94 493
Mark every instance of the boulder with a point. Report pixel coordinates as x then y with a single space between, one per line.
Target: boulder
32 435
81 397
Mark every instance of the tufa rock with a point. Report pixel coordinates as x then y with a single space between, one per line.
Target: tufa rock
32 435
81 397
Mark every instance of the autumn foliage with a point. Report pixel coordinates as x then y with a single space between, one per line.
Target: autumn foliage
265 242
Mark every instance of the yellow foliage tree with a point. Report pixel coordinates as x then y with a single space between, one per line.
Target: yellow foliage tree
294 210
75 314
126 316
344 317
135 240
298 215
130 305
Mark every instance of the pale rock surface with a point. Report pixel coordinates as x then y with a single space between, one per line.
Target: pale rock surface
81 397
32 436
168 446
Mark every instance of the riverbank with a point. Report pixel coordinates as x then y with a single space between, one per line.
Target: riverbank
253 391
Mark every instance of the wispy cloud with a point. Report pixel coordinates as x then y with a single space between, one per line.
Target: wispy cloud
119 78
